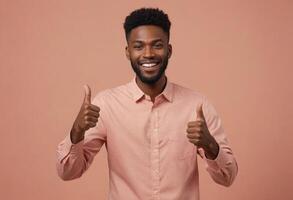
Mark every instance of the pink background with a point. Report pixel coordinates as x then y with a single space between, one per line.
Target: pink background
238 53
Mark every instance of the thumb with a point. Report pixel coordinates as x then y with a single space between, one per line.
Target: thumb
199 113
87 96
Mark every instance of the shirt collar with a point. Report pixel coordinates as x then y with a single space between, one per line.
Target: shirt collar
137 93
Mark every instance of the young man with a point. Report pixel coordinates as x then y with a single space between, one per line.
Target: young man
153 129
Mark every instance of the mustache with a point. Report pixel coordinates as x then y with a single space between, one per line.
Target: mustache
147 61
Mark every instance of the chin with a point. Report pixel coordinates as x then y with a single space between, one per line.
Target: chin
151 78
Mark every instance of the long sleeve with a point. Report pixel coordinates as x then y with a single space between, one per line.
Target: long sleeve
223 169
74 159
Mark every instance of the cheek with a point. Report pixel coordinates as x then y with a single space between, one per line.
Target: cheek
164 53
133 59
134 55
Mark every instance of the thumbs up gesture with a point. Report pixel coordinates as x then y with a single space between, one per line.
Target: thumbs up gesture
198 134
86 118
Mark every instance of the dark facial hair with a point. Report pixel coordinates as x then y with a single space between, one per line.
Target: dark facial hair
151 80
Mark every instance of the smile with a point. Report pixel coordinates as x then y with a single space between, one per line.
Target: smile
149 67
149 64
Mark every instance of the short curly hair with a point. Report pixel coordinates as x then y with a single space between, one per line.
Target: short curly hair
147 16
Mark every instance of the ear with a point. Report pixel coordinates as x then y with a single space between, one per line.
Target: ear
169 50
127 53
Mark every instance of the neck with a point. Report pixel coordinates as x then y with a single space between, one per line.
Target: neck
152 89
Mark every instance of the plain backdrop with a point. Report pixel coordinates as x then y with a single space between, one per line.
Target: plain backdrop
237 53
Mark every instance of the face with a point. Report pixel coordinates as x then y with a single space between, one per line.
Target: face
148 51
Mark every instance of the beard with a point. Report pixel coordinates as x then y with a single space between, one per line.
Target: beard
153 79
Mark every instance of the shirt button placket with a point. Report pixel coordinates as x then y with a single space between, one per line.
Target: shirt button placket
155 157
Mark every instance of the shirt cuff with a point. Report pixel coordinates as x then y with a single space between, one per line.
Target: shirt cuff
221 160
68 148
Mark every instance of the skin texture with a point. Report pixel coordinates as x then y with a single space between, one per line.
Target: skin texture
199 134
147 44
87 117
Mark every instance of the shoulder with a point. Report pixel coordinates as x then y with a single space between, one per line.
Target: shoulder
187 93
190 96
111 93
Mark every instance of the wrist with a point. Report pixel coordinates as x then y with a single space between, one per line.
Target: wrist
212 150
76 134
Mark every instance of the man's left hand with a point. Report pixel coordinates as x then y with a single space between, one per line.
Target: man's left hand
198 134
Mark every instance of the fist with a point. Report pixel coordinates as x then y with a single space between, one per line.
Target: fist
198 134
87 117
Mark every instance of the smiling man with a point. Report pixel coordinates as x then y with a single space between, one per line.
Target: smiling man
153 129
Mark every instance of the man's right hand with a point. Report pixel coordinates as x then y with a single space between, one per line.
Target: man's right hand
86 118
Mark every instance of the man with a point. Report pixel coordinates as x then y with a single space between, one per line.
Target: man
153 129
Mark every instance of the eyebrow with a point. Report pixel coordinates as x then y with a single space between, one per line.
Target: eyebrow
153 41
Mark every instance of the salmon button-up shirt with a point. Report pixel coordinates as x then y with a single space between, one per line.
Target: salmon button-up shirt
149 155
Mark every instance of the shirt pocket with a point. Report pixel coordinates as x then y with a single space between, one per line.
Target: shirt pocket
180 147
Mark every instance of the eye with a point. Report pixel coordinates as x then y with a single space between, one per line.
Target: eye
158 45
137 46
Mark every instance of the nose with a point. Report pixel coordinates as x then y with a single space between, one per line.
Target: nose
148 52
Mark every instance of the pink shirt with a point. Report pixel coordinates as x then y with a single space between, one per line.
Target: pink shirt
149 155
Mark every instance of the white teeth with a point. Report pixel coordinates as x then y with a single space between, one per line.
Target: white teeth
148 64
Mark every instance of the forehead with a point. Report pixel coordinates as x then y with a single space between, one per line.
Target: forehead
147 33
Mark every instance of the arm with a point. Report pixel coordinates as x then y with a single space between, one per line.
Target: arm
209 137
223 168
74 159
76 152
